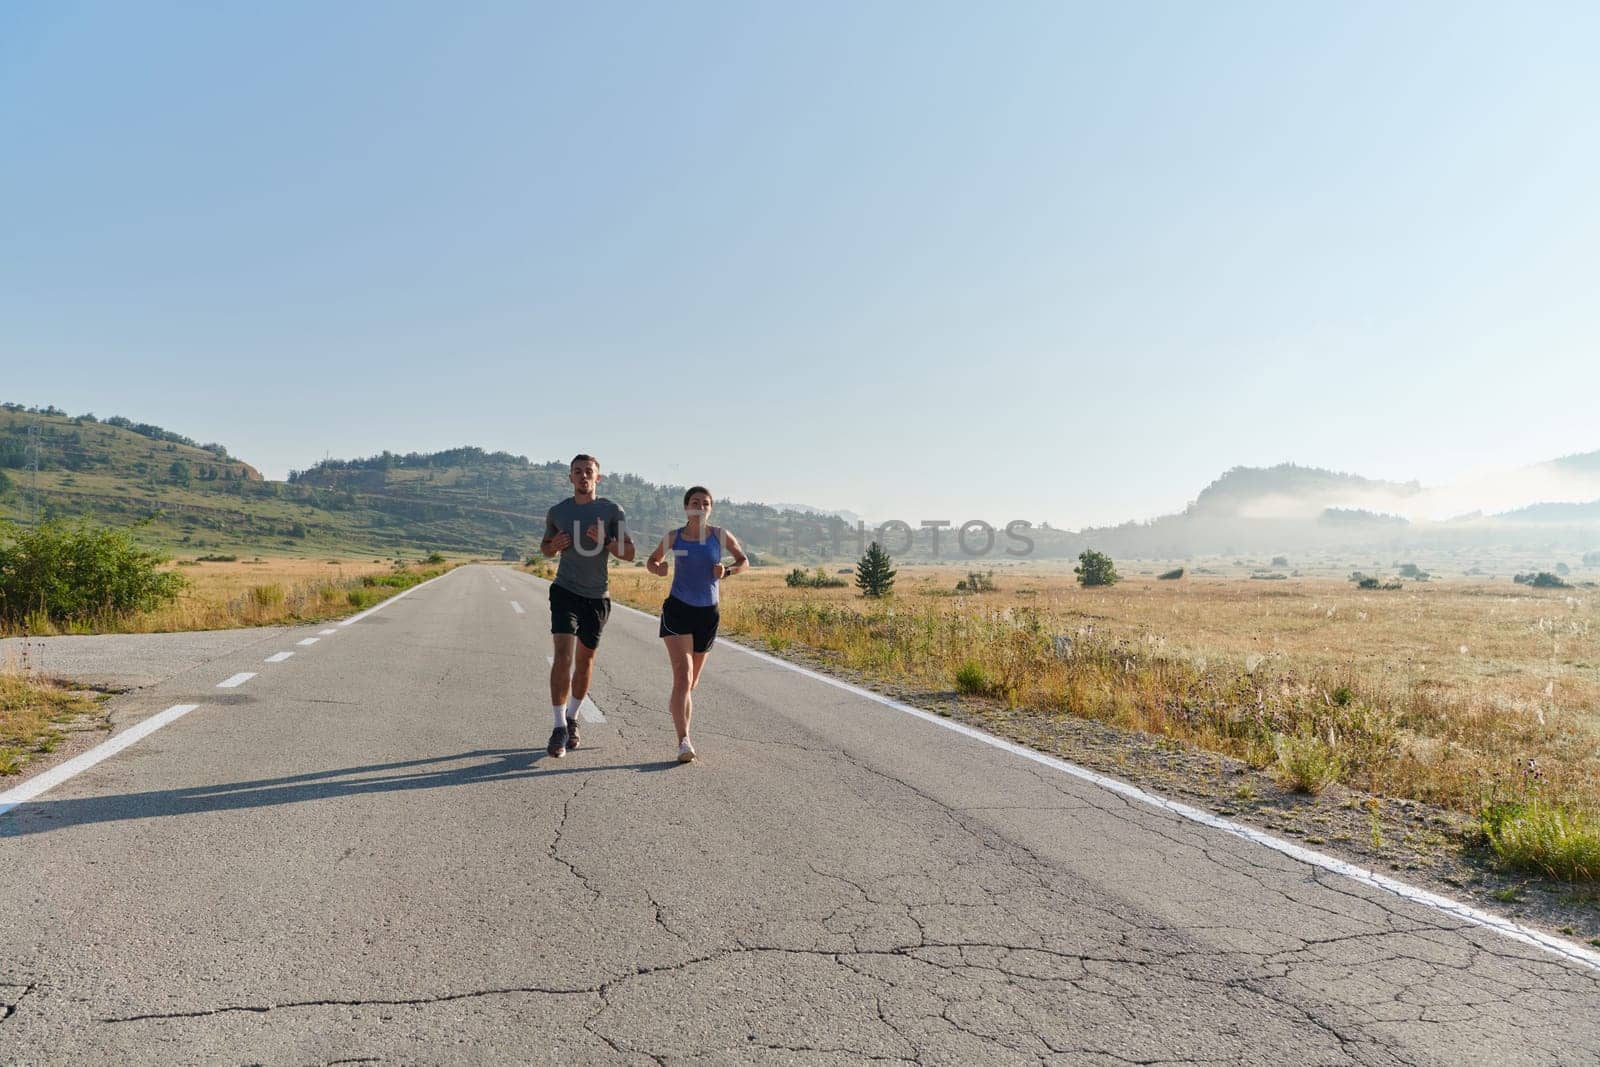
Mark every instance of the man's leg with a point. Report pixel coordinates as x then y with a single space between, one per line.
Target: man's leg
582 672
561 679
560 683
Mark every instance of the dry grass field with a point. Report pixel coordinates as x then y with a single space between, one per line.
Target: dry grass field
1482 697
261 591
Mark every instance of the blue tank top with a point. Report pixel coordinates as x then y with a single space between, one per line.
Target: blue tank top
692 582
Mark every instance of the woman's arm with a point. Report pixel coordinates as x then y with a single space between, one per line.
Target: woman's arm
657 563
740 560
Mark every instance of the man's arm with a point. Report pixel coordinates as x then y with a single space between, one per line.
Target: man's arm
622 545
554 540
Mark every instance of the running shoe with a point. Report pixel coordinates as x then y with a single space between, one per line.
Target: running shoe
572 734
558 742
685 751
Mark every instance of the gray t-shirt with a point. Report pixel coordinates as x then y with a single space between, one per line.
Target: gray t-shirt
583 563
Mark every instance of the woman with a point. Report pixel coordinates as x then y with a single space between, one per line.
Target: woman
689 616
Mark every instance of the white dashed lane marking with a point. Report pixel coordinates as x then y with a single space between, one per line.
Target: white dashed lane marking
42 783
517 608
325 633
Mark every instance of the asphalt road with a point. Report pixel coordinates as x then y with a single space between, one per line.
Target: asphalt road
362 854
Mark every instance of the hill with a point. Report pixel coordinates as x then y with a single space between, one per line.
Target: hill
187 497
194 498
1291 491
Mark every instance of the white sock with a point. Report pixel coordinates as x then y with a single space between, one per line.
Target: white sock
573 704
561 714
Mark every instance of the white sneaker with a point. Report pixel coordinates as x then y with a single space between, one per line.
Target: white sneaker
685 751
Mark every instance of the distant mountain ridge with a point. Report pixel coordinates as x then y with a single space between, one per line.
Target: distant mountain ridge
184 495
1249 491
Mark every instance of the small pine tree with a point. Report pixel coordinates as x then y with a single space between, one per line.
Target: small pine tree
1095 568
874 576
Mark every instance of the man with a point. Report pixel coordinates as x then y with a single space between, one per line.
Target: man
584 529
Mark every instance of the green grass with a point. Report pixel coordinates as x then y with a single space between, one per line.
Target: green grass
972 679
1305 763
1543 838
32 717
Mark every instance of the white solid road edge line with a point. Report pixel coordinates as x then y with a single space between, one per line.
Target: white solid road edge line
398 596
78 764
237 680
1465 912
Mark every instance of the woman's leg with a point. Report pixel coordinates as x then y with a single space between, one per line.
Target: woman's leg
680 653
697 663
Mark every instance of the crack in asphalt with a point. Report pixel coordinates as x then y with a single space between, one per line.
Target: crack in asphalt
561 826
8 1010
355 1002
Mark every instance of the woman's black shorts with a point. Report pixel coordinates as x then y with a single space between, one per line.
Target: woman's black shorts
678 618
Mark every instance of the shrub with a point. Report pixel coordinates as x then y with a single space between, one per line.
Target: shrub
266 596
977 582
818 579
1172 575
972 679
1305 763
1543 838
1095 568
80 572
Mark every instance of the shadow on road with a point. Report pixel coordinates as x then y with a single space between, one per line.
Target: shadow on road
434 772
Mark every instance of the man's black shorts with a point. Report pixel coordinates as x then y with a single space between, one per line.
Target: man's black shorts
582 615
678 618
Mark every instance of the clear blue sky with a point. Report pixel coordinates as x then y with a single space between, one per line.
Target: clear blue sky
1054 261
